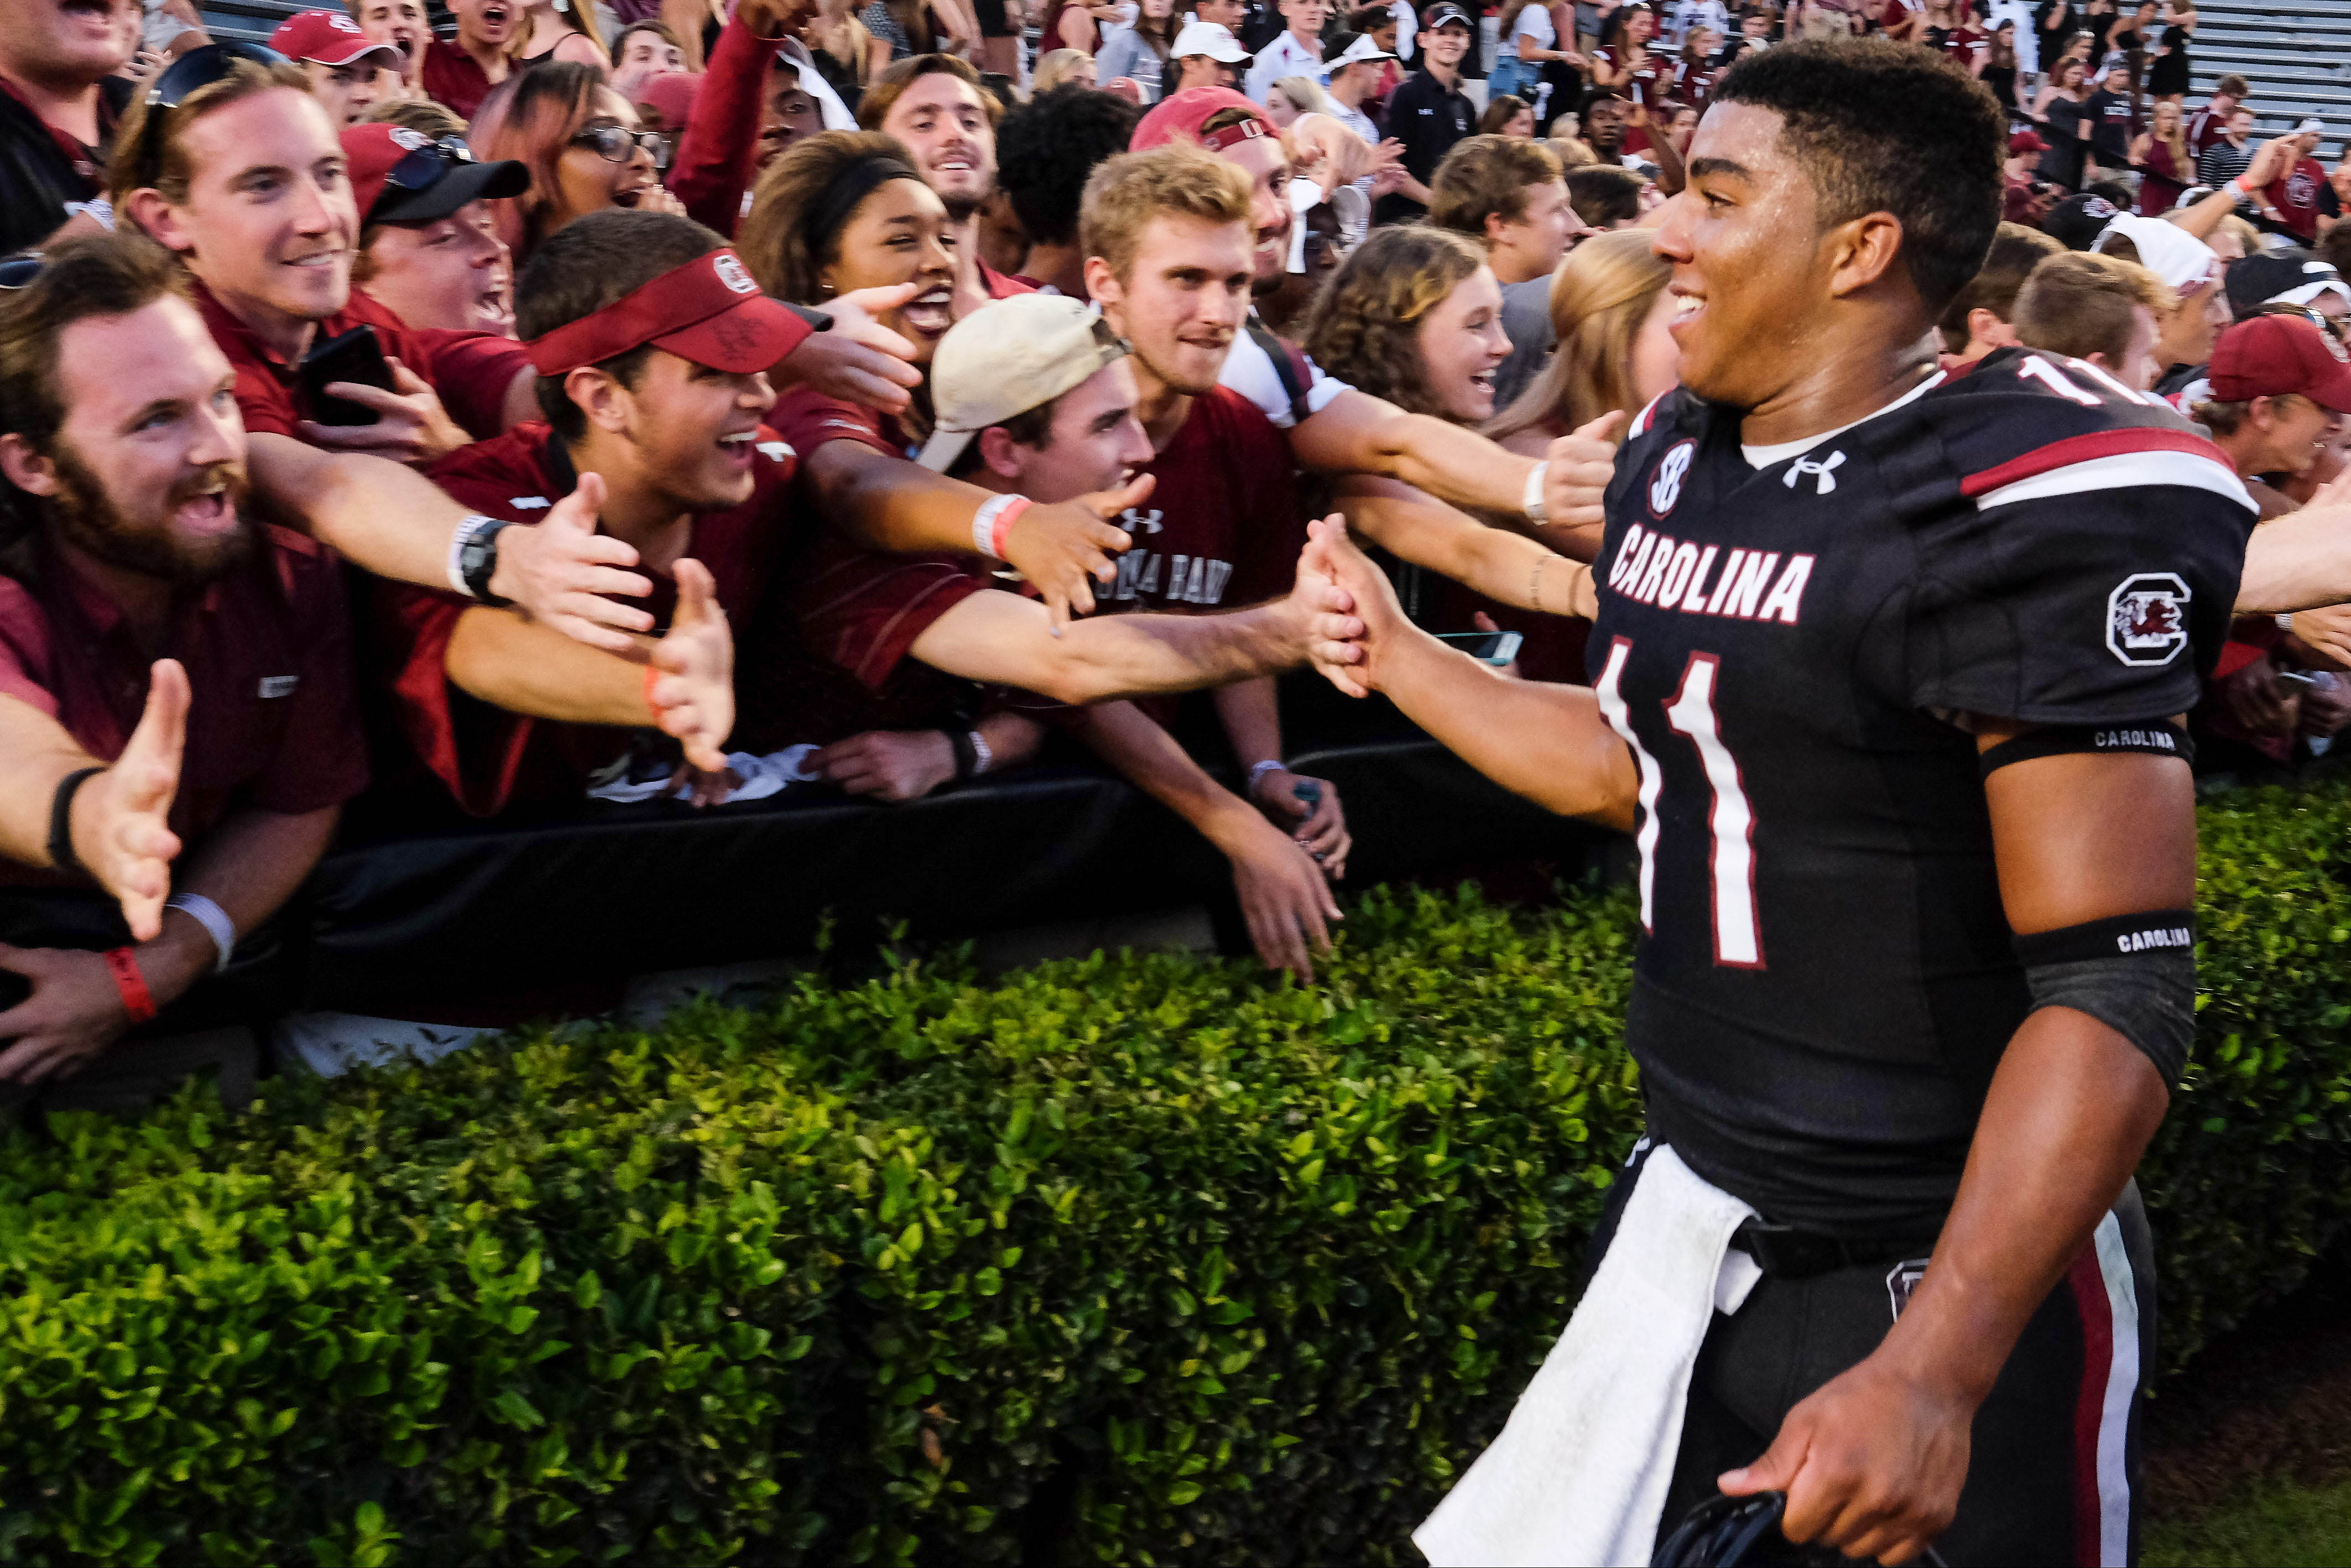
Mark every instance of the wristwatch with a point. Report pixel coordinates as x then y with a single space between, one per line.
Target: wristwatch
474 557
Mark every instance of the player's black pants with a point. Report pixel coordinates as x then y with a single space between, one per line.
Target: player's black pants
2053 1475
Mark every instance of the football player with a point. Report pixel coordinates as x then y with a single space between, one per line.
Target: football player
1888 667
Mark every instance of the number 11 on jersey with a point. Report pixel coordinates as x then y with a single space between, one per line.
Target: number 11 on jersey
1730 821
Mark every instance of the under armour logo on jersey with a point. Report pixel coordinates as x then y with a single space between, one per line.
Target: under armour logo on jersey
1825 471
1148 521
1666 484
528 503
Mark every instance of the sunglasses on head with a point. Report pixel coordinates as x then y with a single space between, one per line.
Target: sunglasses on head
183 80
422 169
18 271
618 143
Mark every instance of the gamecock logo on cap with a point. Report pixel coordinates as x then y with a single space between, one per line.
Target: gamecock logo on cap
2147 618
731 273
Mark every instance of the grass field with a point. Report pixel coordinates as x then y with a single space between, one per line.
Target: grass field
2276 1524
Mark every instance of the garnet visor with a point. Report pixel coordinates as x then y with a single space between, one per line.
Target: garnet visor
709 311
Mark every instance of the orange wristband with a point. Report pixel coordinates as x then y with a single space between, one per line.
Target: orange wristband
136 999
652 674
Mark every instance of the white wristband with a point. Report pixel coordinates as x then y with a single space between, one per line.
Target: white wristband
981 757
983 523
212 918
1533 501
2285 620
459 541
1259 770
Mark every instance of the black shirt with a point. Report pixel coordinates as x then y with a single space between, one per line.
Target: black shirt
1428 118
2107 117
36 176
1826 983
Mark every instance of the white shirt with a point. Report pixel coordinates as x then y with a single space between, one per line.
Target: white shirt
1285 57
829 108
1249 372
1407 24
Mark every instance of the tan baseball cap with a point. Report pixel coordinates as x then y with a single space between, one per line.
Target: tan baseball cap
1010 356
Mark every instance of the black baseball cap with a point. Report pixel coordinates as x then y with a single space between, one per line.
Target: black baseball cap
402 177
2077 221
1445 15
2288 277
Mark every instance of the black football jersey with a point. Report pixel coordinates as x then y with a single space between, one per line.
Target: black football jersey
1825 981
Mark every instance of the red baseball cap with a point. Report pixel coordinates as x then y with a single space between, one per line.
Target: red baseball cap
670 97
2271 355
327 39
1180 117
710 311
2026 141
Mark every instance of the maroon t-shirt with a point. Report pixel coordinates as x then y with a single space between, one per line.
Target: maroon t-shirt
490 758
1222 529
2300 196
858 611
271 720
451 78
471 371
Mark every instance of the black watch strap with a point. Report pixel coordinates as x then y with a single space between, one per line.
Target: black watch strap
61 850
967 755
480 560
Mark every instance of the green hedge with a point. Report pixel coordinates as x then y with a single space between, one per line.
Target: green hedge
1137 1259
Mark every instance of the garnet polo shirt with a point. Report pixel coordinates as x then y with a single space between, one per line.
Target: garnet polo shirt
472 372
271 723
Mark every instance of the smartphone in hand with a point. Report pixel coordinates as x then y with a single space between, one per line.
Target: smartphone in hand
354 356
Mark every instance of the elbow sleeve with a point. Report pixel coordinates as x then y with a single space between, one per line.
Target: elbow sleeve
2135 974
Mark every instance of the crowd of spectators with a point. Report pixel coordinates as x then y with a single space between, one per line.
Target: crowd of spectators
623 401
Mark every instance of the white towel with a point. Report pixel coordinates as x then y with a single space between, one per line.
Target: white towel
757 778
1579 1473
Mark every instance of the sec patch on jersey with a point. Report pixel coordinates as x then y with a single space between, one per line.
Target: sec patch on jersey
2147 618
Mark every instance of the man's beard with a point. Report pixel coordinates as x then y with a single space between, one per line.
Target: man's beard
88 520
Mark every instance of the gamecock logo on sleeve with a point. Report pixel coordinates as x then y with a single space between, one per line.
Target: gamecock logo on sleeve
2147 618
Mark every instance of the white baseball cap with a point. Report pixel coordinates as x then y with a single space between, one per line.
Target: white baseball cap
1010 356
2184 262
1356 52
1213 40
2311 126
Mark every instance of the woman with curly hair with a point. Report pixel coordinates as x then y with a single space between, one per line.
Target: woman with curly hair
1415 316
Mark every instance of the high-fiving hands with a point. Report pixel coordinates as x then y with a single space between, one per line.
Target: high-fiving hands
692 690
564 573
120 821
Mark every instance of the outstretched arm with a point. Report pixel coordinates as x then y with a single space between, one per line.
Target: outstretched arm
890 504
1873 1462
1548 743
2302 560
1506 567
397 524
1358 433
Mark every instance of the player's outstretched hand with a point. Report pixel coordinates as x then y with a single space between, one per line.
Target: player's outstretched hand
857 358
1350 663
120 823
1872 1463
564 573
1064 550
1581 466
693 696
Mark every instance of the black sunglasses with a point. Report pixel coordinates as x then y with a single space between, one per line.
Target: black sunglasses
616 143
181 80
422 168
18 271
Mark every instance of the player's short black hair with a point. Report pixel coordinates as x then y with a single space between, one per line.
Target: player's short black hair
1046 148
586 265
1886 127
